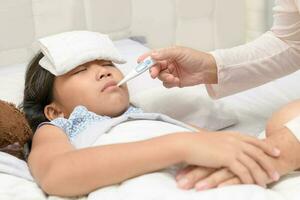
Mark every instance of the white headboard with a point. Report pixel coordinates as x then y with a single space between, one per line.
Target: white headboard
201 24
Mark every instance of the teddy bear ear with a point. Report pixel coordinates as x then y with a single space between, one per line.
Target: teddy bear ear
15 131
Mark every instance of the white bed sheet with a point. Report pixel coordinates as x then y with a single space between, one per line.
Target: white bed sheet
16 188
253 108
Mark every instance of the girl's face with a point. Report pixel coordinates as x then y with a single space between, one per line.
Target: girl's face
93 85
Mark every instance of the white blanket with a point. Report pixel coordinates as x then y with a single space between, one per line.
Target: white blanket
159 185
162 185
11 165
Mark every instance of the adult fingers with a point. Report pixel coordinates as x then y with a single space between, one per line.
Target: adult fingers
214 179
267 148
161 54
189 180
174 83
161 66
169 79
143 56
183 171
232 181
168 53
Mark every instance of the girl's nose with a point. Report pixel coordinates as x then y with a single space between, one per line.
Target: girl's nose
101 74
105 75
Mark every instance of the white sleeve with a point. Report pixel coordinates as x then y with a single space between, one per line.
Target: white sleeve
294 127
273 55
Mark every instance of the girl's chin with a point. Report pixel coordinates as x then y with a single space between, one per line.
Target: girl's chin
117 109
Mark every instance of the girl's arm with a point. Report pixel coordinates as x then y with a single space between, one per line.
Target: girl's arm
62 170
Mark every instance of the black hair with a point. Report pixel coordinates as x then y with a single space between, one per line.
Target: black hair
38 92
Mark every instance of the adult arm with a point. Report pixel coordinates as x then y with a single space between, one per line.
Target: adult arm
273 55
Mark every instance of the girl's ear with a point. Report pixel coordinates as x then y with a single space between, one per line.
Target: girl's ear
53 111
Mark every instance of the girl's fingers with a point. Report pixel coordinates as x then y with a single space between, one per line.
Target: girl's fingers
189 180
242 172
263 160
259 175
214 179
232 181
267 148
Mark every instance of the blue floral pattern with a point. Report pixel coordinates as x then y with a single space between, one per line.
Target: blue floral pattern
80 118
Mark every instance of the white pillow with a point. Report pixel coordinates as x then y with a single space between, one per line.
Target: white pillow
12 76
12 165
191 105
12 83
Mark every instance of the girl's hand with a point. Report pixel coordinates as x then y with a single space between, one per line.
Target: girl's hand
245 156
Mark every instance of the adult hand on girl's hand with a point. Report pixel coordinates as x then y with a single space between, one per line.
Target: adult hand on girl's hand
245 156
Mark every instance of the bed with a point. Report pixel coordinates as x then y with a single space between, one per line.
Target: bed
135 30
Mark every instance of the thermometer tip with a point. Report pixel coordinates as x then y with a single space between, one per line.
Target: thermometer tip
120 83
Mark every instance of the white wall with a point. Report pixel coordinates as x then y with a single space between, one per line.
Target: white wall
259 17
200 24
270 5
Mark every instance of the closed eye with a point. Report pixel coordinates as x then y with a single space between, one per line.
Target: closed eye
80 69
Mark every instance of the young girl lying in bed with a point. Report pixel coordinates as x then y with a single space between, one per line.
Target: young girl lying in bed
87 135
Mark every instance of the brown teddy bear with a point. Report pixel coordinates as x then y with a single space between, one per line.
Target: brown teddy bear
14 130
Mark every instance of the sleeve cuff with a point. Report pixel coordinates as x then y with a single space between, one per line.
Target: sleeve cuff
294 127
213 89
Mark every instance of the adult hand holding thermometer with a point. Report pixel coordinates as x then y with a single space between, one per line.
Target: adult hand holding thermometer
138 70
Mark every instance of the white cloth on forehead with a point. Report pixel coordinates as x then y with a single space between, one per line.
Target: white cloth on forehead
65 51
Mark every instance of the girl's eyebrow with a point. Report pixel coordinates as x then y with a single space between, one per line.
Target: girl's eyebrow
103 62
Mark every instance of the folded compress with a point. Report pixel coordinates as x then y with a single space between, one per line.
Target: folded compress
65 51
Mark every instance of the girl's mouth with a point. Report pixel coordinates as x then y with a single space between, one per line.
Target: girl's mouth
110 85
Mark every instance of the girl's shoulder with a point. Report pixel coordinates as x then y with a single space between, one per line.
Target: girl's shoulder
78 120
48 133
81 118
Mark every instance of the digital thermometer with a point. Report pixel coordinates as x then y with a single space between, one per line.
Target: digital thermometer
138 70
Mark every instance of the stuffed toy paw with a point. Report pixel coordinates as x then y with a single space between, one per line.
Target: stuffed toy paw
14 130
